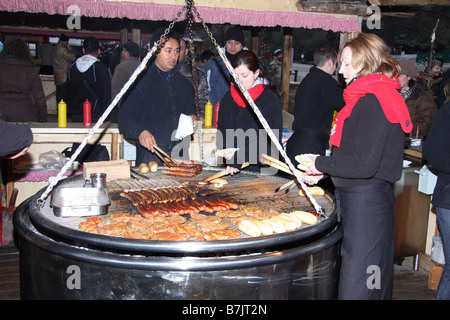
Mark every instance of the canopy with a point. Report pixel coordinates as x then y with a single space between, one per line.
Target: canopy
268 13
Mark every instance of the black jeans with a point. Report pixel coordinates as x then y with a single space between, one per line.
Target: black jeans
368 219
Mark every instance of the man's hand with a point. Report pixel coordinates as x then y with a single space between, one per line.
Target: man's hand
147 140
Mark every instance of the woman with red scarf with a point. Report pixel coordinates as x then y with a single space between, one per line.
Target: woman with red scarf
368 139
238 125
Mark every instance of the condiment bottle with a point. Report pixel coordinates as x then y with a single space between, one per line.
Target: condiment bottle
87 117
208 114
62 114
216 114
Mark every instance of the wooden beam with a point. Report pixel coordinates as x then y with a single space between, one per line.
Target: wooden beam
286 71
409 2
357 7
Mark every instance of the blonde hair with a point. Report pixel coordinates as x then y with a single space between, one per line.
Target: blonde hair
372 54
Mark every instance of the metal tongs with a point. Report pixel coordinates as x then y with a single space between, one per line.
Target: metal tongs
164 156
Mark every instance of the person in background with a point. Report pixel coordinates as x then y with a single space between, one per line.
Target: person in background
2 40
63 57
186 70
88 79
421 105
205 57
277 66
15 139
46 55
237 115
368 143
150 112
22 97
129 61
316 99
217 75
436 150
441 95
435 78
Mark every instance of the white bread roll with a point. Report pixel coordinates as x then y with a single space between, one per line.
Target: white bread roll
315 191
304 158
277 226
249 227
305 217
265 228
292 218
288 224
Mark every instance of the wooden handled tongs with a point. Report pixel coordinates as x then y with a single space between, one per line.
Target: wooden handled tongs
163 156
223 173
277 164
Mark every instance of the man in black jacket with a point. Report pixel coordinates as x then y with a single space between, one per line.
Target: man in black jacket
150 112
316 98
88 79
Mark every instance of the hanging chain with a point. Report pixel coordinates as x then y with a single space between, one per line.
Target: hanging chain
100 121
261 118
190 5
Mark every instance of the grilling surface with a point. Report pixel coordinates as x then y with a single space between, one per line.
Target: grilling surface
181 209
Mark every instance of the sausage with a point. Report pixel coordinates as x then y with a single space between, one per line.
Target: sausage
130 197
232 205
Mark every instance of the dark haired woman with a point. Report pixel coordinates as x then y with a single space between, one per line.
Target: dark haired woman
238 125
22 97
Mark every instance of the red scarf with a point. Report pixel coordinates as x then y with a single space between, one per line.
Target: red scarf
385 89
239 98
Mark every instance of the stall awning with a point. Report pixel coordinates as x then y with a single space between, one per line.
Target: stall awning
268 13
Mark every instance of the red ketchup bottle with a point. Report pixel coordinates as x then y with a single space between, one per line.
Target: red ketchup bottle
87 116
216 114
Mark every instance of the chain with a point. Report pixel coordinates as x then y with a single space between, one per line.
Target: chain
139 69
261 118
190 5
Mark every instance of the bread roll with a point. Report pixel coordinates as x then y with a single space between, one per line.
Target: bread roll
265 228
292 218
277 226
143 168
304 158
315 191
288 224
153 166
249 227
305 217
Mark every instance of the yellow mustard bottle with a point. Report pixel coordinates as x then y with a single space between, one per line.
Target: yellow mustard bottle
62 114
208 114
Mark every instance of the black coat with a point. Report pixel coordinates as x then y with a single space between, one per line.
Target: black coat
94 85
371 150
436 150
233 117
155 103
317 96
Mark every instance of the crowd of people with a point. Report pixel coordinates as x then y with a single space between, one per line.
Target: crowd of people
383 103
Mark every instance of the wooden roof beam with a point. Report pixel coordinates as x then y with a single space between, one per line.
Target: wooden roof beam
356 7
409 2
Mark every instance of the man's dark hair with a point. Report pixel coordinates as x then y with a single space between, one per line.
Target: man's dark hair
91 45
323 54
157 35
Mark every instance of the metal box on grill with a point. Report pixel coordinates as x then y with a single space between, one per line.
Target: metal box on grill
75 202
